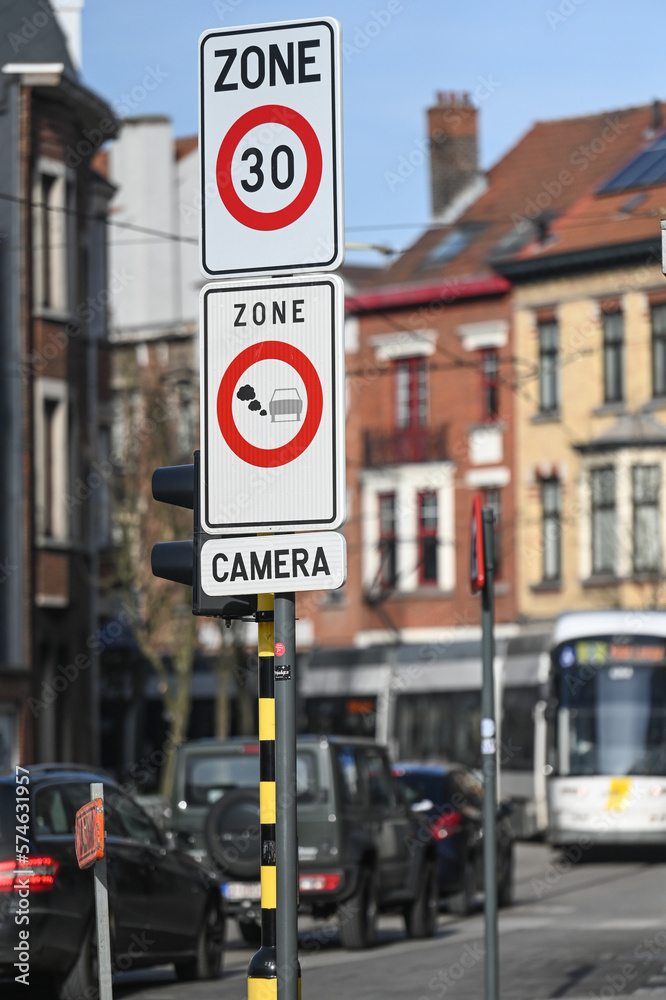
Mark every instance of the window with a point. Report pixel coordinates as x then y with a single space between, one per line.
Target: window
348 770
427 527
613 357
411 393
491 498
489 384
603 520
53 202
137 824
551 500
387 540
376 778
659 350
549 375
645 488
52 464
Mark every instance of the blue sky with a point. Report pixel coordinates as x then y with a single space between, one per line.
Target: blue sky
523 60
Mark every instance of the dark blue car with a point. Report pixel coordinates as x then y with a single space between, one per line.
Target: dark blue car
451 797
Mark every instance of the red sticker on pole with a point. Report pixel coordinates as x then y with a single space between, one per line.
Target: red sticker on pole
279 649
90 833
477 562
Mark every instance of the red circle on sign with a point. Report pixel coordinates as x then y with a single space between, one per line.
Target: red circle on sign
284 216
270 458
279 649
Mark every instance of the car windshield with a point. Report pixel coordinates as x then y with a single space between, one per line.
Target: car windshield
208 778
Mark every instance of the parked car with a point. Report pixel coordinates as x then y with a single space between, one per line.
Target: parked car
450 797
163 906
358 841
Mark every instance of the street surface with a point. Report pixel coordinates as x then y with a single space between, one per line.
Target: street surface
596 929
593 930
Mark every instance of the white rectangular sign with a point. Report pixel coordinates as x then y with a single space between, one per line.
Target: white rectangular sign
270 148
274 564
272 405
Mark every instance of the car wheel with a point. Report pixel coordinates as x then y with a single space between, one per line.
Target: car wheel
82 979
232 833
357 916
207 962
505 886
463 902
250 931
421 914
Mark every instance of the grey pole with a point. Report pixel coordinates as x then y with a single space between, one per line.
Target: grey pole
286 848
102 912
489 758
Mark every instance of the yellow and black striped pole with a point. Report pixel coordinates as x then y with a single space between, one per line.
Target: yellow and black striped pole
262 970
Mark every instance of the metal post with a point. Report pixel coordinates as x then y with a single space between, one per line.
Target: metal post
102 912
262 970
489 758
289 973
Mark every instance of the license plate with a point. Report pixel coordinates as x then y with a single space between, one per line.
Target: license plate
242 890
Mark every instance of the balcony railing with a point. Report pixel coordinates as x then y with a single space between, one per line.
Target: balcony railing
414 444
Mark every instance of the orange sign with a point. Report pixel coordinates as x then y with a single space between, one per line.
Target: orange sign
90 833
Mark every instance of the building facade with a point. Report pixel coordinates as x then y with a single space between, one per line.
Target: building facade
56 420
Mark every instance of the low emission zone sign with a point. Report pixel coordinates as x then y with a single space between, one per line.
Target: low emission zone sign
272 412
270 147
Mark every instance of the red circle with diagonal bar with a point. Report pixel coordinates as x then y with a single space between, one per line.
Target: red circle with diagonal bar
267 221
269 350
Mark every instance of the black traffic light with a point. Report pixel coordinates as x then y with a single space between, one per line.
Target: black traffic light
180 560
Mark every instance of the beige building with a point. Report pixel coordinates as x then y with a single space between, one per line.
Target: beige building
589 324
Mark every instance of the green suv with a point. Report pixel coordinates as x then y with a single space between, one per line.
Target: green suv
360 847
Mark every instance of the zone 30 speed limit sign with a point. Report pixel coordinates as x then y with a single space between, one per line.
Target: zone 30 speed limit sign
270 147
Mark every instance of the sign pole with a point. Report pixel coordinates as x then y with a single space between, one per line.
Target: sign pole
102 913
263 963
289 972
489 758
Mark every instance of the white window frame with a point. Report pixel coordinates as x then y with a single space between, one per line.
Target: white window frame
622 460
61 229
407 482
56 391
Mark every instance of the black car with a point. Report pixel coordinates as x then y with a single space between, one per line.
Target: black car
450 796
163 906
361 849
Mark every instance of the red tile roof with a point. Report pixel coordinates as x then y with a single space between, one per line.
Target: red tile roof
185 145
554 166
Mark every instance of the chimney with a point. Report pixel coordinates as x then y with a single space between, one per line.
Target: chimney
454 157
68 16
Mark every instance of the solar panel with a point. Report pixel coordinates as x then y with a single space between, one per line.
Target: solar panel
648 167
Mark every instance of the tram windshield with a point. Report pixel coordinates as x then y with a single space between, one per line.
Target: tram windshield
612 707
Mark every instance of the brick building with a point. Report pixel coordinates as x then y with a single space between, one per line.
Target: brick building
54 391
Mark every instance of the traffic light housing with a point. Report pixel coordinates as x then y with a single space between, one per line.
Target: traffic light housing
180 560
